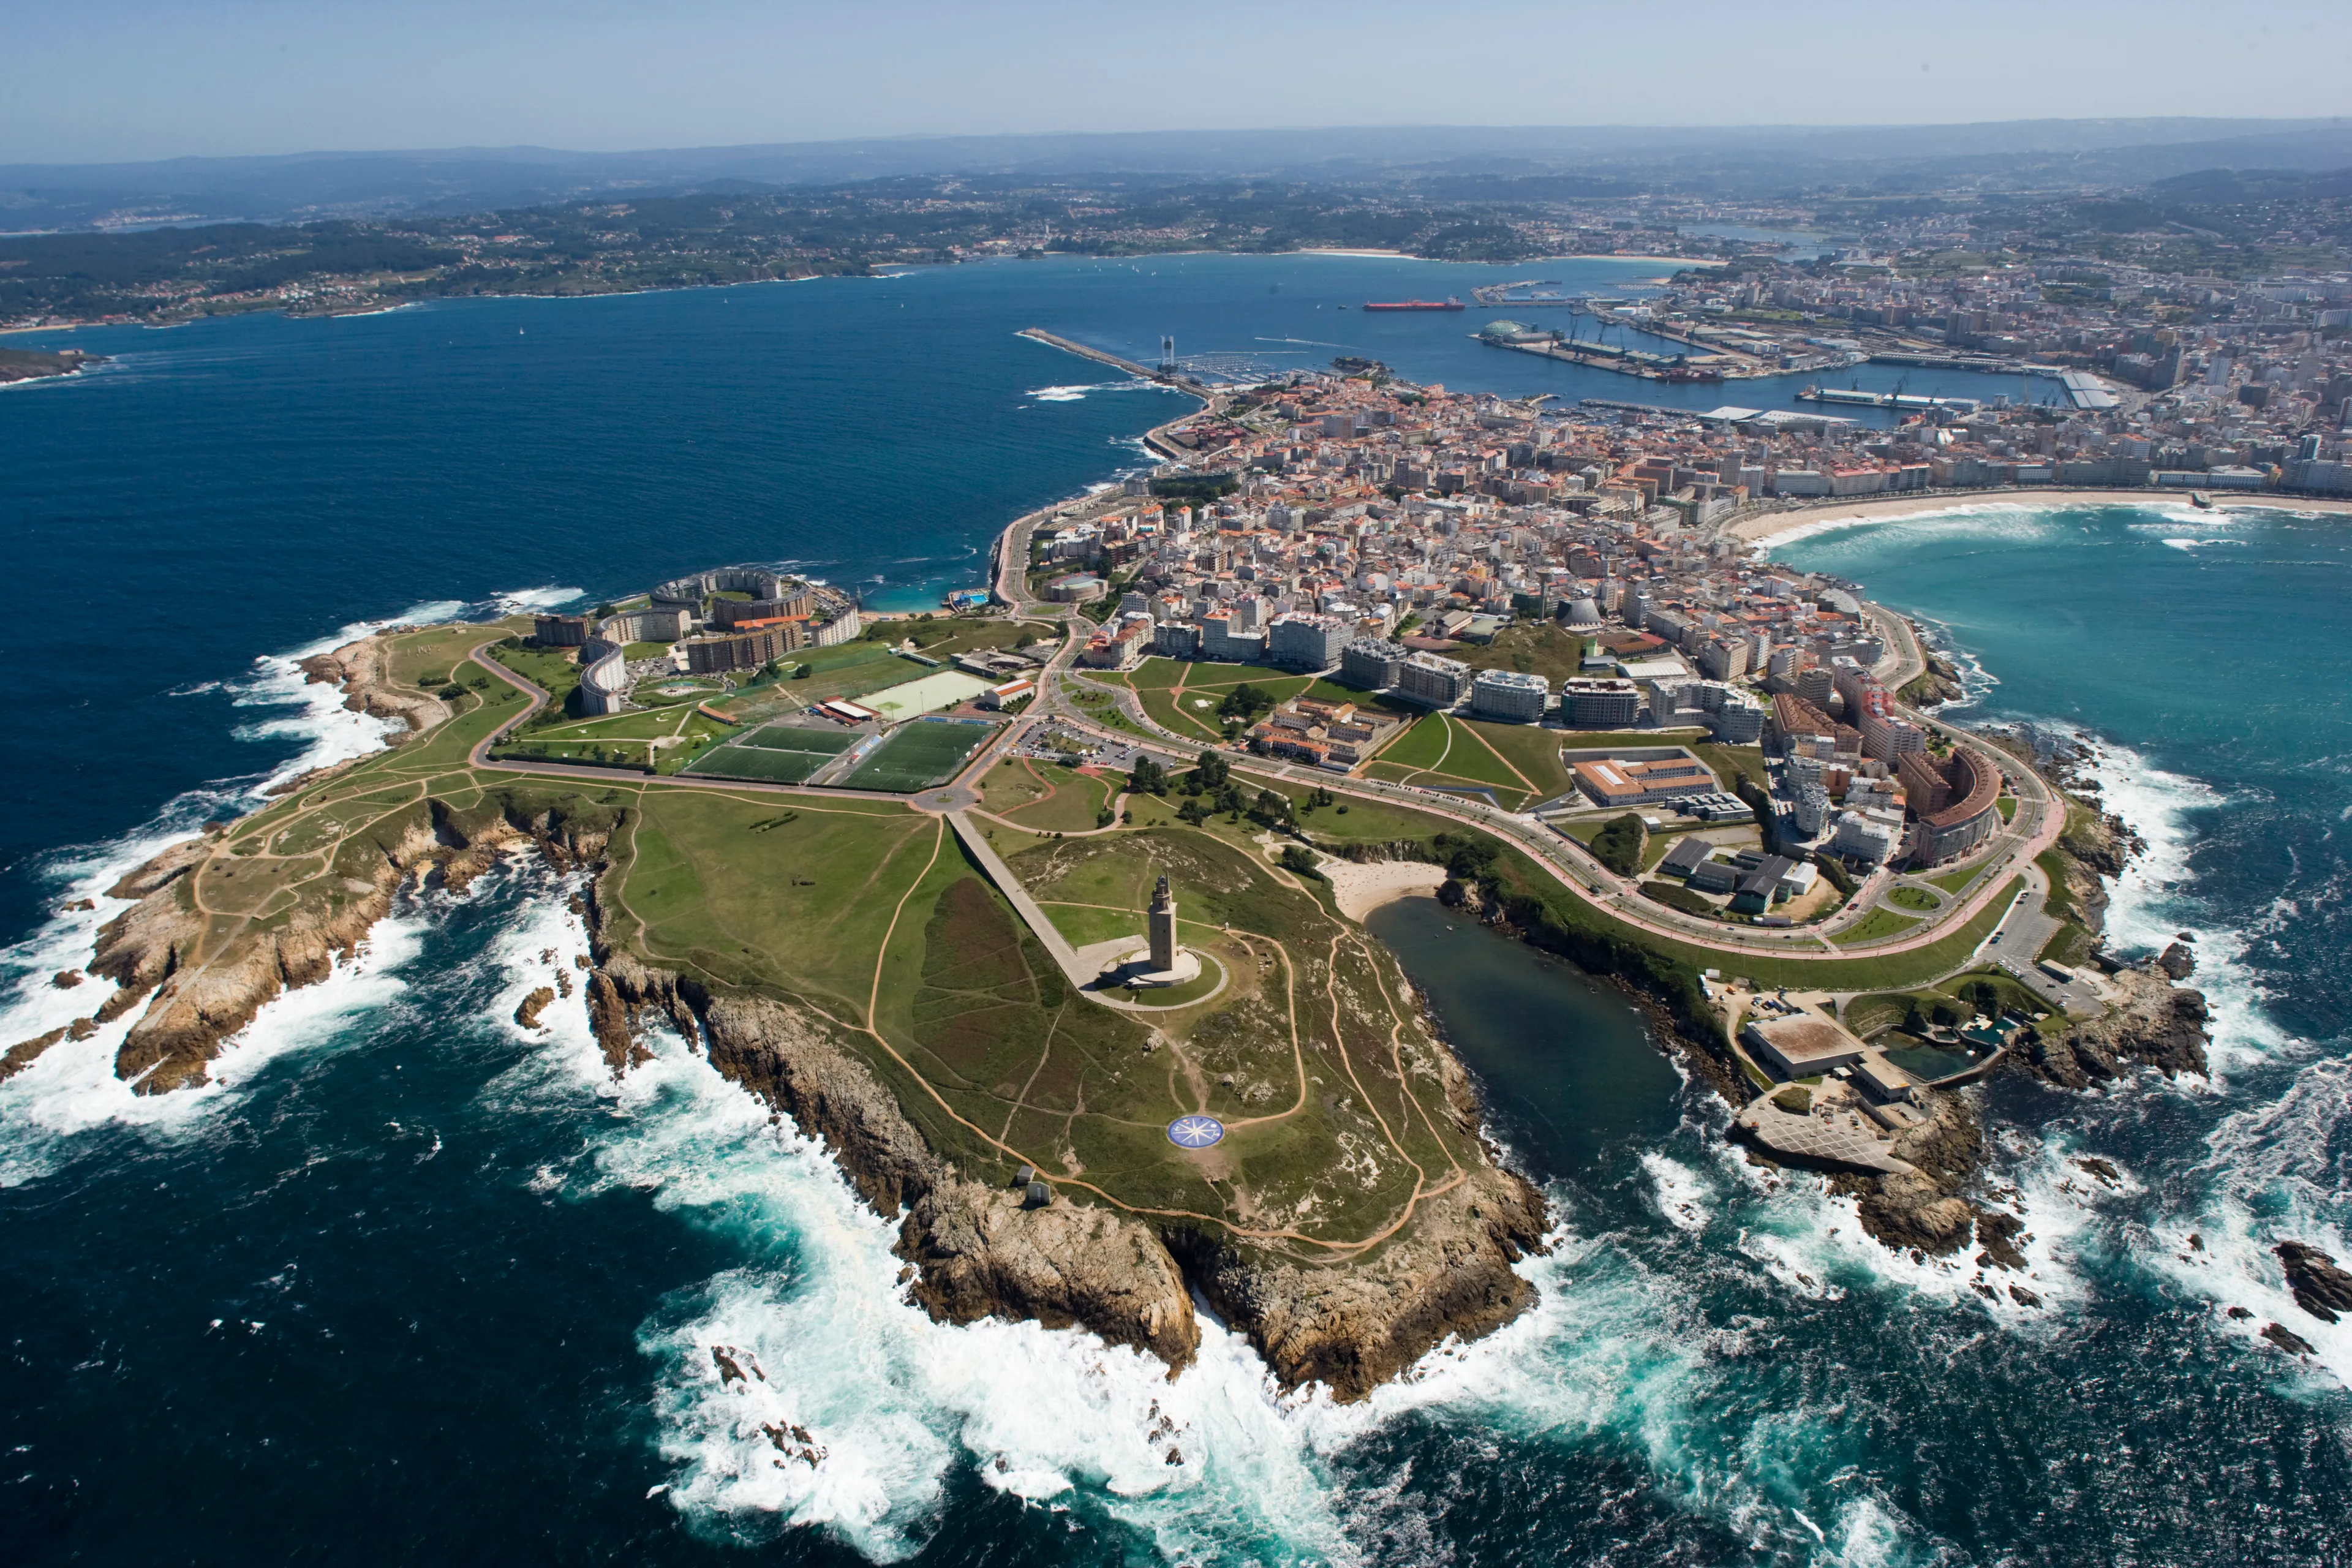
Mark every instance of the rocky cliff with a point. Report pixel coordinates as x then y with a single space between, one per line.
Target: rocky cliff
980 1249
358 669
1352 1326
201 969
209 975
977 1248
2152 1021
203 974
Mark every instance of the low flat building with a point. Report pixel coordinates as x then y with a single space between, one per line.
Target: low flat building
1713 877
1881 1080
1760 888
1006 695
1715 806
1612 783
1802 1044
1685 857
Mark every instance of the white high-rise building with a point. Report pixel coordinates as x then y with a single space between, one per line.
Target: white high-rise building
1510 694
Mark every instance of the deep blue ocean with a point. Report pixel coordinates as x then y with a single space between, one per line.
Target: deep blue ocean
407 1282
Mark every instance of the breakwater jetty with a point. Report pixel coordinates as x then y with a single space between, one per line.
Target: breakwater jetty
1167 377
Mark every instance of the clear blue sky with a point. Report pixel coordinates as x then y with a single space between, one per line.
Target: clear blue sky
101 80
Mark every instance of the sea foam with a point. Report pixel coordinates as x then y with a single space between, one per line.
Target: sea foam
60 1095
801 1388
71 1089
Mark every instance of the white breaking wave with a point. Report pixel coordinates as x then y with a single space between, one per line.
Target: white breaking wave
2270 1177
1977 682
2274 1172
308 715
71 1088
2155 901
1813 1243
1077 393
1677 1193
2001 519
524 599
854 1407
803 1389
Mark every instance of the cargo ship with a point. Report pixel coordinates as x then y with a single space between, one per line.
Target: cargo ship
1448 303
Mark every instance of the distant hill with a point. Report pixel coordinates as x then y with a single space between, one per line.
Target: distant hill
1446 163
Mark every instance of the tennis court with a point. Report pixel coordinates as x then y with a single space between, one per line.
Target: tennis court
920 755
778 753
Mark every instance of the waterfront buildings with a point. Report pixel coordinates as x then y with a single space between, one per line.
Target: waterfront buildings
728 620
1957 799
1800 1045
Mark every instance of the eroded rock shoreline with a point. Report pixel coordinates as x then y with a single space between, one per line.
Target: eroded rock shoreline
975 1247
1942 1207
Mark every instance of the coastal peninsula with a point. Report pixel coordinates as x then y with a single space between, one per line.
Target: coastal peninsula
1044 913
34 364
851 955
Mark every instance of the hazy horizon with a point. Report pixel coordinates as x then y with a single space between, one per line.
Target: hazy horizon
1641 136
131 81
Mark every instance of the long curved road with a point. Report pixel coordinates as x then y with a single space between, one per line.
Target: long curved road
2035 829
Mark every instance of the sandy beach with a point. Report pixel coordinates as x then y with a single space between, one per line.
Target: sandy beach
1881 508
1359 890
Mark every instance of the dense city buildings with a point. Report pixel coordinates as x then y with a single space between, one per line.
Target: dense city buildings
1385 536
730 620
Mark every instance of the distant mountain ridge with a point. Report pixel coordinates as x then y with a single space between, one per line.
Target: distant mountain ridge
1596 160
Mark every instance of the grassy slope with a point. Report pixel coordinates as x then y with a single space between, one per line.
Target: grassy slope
1539 647
1287 1166
795 895
1046 795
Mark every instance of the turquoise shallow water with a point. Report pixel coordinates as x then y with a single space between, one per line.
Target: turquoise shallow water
410 1283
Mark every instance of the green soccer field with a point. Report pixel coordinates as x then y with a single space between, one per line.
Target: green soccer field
920 754
767 764
792 737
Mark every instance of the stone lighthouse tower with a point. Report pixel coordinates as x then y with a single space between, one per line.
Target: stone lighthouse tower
1162 919
1162 963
